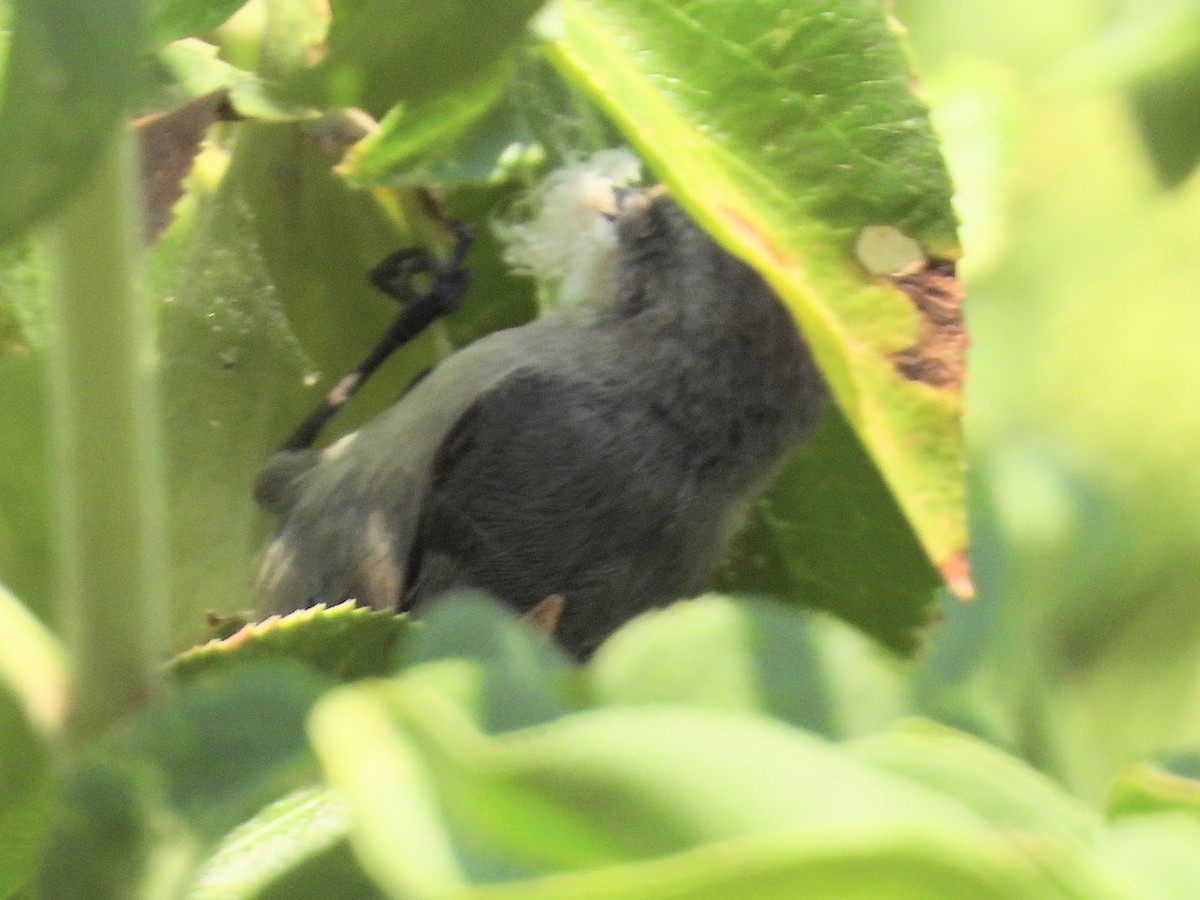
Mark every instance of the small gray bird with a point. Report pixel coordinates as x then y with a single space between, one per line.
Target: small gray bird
603 455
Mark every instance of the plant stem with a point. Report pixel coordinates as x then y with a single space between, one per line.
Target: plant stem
112 522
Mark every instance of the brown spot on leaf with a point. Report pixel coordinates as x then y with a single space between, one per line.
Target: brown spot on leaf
937 359
169 143
956 570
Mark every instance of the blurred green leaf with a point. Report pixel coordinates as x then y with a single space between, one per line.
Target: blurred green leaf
977 110
416 145
290 850
641 802
1151 39
523 680
34 696
1003 790
785 133
1152 52
173 19
515 118
757 656
1168 112
25 475
332 873
1156 856
26 780
1144 788
197 70
68 77
101 837
146 805
381 53
228 743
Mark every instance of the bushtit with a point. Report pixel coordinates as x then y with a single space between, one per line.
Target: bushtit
600 457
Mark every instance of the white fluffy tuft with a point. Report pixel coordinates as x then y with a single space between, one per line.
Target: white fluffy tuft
567 244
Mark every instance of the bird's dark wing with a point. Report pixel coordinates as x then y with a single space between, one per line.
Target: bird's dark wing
552 485
349 513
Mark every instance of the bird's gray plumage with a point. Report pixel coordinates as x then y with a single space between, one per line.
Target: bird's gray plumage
604 454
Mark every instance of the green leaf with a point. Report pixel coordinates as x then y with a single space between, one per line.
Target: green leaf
523 679
823 137
641 802
294 848
1153 53
1168 113
1151 40
26 781
473 136
1144 788
831 535
25 510
343 642
416 145
381 53
174 19
1004 790
101 836
228 743
68 76
1153 856
146 805
758 656
196 68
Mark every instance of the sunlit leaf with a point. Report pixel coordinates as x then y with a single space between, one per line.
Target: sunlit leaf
1144 788
344 642
33 666
1157 855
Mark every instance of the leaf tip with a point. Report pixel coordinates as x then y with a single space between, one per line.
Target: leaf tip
956 572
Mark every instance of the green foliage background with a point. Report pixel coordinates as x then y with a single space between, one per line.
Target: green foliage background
807 760
1079 417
